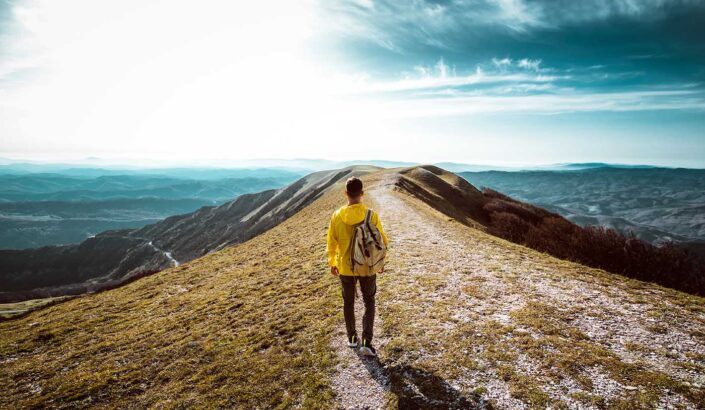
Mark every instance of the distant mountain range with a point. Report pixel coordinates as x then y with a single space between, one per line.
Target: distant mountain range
656 204
64 203
229 168
459 167
38 209
185 172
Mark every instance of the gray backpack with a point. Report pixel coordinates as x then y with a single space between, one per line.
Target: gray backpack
368 249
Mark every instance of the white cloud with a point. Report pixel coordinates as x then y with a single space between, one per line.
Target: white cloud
502 63
516 14
512 86
443 69
441 75
399 25
463 104
529 64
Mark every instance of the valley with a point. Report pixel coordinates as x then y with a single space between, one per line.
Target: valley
68 205
656 204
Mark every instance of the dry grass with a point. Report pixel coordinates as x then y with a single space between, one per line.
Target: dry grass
246 327
14 310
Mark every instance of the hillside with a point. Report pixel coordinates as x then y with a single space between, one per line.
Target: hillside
465 320
674 266
115 256
656 204
67 206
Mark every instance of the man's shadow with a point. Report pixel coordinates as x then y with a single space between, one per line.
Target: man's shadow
419 389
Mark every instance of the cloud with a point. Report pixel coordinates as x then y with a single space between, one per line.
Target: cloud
502 63
568 11
401 25
441 75
463 104
516 14
17 50
527 63
509 85
530 64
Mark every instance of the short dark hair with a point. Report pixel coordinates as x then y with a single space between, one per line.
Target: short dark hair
353 186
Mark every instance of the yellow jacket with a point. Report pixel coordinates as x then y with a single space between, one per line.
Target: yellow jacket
340 232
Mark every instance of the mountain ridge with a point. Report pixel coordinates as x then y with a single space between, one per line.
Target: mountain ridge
465 318
92 264
120 255
656 204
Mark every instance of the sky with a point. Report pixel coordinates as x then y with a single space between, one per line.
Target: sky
507 82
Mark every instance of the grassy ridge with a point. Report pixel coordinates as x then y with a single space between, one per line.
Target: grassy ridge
245 327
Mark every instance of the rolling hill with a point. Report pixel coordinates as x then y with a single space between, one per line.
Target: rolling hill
71 205
116 256
656 204
465 319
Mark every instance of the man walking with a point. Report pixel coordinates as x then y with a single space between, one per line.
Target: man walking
341 238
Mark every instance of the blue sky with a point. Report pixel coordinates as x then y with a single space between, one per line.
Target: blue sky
479 81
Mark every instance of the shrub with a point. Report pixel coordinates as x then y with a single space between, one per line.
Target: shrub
595 246
509 226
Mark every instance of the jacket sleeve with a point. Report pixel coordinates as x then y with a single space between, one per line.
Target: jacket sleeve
378 224
332 246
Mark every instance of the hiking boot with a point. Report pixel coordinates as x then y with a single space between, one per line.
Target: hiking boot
367 349
352 341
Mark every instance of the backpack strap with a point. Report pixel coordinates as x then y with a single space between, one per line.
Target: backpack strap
368 224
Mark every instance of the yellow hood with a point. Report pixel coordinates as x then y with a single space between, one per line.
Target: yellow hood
352 214
340 232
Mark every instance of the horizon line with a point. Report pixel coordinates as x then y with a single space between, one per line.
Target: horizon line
8 159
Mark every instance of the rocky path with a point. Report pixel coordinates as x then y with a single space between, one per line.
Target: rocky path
424 252
360 382
471 320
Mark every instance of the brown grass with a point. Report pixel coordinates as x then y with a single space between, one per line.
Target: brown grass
245 327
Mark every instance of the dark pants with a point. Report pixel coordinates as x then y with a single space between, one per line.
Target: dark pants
368 286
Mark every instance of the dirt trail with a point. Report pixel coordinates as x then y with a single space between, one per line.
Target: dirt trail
360 382
451 286
415 238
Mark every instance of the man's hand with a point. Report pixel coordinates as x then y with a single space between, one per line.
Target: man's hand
334 271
